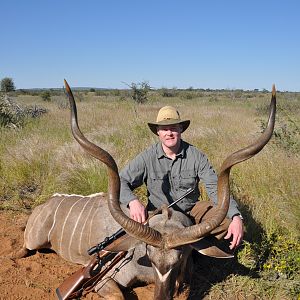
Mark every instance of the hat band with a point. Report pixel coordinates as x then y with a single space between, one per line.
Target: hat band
168 121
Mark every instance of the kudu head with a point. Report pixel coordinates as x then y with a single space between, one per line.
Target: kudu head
165 239
169 264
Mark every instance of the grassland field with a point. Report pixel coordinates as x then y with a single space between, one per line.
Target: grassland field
41 158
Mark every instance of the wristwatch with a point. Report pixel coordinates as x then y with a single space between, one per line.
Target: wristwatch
237 214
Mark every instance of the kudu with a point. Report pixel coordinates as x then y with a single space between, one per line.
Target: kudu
71 224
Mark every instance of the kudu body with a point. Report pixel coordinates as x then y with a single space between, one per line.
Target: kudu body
71 224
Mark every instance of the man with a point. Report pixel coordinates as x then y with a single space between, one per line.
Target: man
169 168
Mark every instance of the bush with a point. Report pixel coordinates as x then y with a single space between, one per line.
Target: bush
286 134
284 257
188 94
168 92
46 96
140 91
34 111
13 116
7 85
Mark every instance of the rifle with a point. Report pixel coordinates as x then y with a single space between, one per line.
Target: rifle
85 278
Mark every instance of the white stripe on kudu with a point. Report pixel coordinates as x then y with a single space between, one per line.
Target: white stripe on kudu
63 228
83 229
92 226
76 195
75 227
54 218
37 217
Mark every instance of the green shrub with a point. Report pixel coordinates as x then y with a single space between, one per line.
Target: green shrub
102 93
286 134
284 257
168 93
140 91
46 96
188 94
275 256
7 85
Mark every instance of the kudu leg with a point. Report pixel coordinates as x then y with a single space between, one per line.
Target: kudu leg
109 290
23 252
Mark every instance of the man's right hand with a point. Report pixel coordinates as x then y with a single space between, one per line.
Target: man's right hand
137 211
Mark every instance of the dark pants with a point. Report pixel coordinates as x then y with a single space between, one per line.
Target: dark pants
204 210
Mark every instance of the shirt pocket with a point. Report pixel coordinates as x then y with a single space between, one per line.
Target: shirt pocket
158 182
187 179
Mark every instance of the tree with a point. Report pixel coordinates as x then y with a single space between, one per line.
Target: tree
7 85
140 91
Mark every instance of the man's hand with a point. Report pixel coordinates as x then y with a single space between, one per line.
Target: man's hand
137 211
235 230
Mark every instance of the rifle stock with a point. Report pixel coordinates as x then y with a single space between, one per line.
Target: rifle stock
72 287
75 281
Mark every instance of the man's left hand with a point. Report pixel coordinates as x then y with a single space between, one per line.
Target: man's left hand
236 231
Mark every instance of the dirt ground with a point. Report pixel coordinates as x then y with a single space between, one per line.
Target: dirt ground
37 276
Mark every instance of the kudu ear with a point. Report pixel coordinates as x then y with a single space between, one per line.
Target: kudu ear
208 247
166 212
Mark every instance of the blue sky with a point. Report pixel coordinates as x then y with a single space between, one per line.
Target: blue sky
203 44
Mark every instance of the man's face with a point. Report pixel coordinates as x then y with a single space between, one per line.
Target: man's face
170 135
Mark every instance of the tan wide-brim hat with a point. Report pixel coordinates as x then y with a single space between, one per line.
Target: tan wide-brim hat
168 115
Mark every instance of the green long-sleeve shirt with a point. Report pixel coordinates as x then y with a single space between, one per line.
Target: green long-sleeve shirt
168 179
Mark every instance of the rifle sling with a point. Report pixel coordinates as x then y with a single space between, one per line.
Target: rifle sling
90 283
